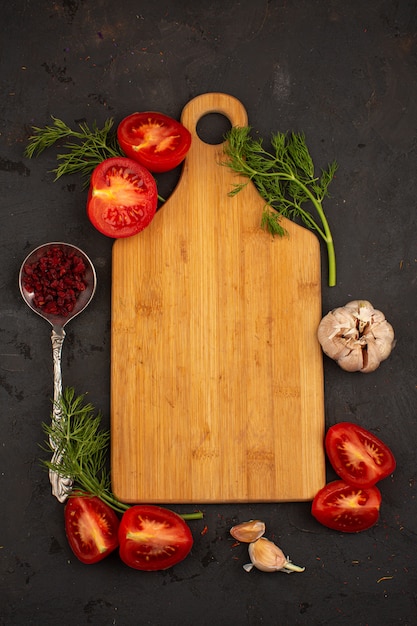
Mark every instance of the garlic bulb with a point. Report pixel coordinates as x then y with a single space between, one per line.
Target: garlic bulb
267 557
247 532
356 336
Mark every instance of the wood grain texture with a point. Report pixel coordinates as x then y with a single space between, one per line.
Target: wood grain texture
216 371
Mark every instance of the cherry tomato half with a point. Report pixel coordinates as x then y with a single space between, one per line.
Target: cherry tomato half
157 141
122 198
357 456
349 509
91 527
153 538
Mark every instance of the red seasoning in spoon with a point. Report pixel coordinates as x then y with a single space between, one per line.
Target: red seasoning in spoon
56 280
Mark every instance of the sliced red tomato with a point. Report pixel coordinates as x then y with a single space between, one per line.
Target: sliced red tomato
358 456
122 198
91 527
153 538
157 141
346 508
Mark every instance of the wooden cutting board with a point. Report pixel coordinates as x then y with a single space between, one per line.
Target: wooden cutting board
216 371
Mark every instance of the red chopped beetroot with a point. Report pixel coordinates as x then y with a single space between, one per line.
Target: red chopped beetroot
56 279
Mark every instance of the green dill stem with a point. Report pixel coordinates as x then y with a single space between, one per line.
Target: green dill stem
325 234
121 507
90 486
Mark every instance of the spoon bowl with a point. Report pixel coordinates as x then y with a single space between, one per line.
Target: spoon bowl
61 483
84 297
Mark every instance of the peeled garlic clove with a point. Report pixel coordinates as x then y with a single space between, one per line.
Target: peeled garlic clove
248 531
267 557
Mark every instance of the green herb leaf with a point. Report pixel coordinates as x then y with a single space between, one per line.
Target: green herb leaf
285 178
86 148
270 222
83 447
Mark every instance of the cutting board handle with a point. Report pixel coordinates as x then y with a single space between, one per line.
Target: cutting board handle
216 102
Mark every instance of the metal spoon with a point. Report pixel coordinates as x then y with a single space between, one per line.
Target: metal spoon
61 485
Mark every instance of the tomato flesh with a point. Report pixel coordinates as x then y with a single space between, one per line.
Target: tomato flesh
157 141
122 198
153 538
346 508
91 527
358 456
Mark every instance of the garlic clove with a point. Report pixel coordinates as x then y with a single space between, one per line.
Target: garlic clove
359 308
378 317
246 532
383 334
267 557
385 342
372 357
333 331
353 361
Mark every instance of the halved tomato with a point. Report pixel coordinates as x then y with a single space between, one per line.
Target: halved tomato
157 141
349 509
153 538
122 198
358 456
91 527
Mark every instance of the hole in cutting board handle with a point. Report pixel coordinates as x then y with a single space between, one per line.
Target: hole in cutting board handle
212 127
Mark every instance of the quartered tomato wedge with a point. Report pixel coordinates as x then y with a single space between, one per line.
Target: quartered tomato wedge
157 141
153 538
357 456
91 527
345 508
122 198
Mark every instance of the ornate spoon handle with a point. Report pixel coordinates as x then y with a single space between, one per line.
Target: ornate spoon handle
61 485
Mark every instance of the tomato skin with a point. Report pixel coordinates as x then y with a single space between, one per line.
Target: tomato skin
349 509
91 527
122 197
155 140
358 456
153 538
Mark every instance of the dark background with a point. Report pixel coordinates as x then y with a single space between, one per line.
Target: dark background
344 73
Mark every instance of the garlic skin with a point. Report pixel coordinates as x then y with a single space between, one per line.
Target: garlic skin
356 336
247 532
267 557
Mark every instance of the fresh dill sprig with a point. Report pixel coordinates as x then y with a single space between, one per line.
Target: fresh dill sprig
83 448
285 178
84 149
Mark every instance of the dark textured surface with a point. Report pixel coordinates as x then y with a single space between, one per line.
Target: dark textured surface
345 73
